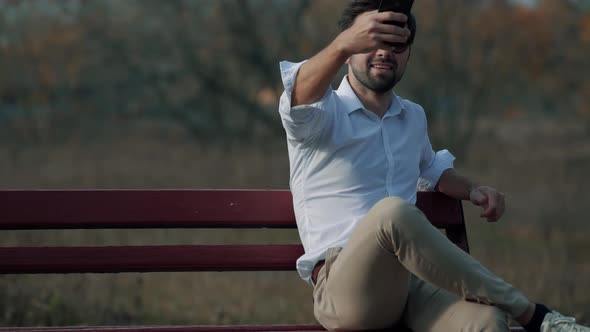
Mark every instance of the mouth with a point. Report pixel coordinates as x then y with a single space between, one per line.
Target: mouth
383 67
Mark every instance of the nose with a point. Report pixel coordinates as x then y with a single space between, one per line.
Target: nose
388 52
384 54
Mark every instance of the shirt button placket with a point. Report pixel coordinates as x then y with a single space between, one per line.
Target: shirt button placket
389 155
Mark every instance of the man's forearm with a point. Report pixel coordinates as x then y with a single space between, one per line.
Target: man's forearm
316 75
455 185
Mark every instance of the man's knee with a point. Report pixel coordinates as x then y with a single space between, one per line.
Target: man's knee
395 211
489 319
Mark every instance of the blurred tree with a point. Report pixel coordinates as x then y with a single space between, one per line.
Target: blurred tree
212 83
491 59
455 64
212 66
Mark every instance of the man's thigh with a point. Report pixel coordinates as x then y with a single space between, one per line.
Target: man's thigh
432 309
365 287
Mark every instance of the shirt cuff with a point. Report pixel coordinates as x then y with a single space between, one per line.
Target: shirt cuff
289 72
429 177
301 113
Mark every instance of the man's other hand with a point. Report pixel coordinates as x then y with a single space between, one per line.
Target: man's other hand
491 201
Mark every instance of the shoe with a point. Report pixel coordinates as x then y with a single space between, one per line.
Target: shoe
555 322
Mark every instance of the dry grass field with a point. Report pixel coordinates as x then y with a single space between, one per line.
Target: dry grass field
542 245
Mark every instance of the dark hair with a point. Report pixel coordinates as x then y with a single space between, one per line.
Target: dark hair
357 7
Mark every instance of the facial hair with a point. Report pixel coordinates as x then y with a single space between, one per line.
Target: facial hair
376 83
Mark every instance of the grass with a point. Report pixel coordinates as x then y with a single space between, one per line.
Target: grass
541 246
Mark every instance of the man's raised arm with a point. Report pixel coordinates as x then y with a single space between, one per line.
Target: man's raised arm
367 34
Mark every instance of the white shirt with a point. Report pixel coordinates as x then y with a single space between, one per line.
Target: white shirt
344 159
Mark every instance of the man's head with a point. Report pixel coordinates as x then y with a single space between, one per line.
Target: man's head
380 70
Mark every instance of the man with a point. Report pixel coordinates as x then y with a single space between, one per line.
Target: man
356 156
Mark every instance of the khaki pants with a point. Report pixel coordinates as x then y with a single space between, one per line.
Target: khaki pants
397 267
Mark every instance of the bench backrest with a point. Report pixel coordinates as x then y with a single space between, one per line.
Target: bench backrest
112 209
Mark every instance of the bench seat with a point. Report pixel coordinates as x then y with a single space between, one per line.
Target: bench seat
163 209
261 328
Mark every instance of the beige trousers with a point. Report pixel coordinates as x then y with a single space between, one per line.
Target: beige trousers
397 267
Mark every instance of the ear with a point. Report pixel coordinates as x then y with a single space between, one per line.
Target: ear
347 61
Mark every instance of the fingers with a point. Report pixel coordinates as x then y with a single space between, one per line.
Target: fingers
384 24
477 197
387 33
389 38
369 33
494 209
382 33
391 16
489 210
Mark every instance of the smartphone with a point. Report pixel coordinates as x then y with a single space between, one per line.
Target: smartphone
398 6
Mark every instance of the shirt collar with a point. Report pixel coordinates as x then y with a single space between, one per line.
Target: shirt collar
352 103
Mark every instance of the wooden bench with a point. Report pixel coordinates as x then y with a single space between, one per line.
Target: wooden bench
135 209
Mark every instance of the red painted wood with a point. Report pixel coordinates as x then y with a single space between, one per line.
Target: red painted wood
458 233
459 237
148 259
78 209
184 329
441 210
168 328
61 209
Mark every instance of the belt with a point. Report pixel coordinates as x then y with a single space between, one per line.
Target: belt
316 270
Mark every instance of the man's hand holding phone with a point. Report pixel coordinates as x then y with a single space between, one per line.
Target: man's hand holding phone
397 6
370 32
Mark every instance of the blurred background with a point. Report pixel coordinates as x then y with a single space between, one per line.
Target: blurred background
145 94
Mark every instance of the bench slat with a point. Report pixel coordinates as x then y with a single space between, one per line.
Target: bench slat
67 209
88 209
169 328
188 329
148 258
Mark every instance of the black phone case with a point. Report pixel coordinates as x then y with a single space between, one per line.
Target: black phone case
398 6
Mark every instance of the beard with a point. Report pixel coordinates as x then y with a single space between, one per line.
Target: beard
377 82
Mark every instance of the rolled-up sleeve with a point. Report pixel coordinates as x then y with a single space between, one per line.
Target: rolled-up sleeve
303 122
433 164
